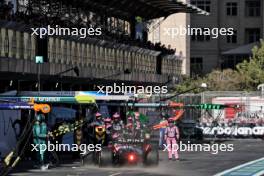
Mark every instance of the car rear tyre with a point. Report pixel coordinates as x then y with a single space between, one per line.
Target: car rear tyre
152 158
88 159
105 158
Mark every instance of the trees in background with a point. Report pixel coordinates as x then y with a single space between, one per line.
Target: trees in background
247 75
252 71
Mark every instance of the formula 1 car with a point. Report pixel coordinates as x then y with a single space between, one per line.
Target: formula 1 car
126 148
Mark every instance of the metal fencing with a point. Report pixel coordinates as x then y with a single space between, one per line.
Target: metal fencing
243 116
250 104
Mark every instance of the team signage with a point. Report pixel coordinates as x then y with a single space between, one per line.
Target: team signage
233 131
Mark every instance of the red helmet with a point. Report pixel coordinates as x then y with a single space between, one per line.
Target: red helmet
107 120
98 115
116 116
170 120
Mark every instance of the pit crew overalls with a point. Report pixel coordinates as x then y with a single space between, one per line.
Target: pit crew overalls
117 130
40 137
162 134
171 137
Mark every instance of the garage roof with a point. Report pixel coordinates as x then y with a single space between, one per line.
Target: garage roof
147 9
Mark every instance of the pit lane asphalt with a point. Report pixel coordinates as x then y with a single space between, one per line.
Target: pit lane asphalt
192 163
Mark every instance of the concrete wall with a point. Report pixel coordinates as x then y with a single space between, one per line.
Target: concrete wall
25 67
180 43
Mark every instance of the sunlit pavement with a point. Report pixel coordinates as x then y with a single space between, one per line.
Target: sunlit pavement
192 163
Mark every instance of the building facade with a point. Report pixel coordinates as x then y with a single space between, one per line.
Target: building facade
181 43
72 62
202 54
244 16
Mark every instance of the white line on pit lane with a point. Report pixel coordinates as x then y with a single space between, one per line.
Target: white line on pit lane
239 167
115 174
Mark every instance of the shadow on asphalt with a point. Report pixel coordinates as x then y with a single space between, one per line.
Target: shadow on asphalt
27 165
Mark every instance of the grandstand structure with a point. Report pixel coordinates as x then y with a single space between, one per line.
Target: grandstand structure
115 56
